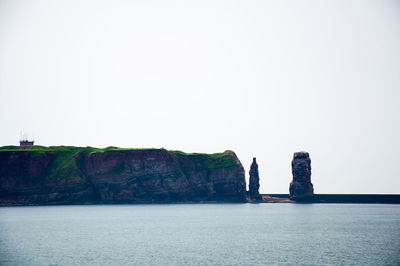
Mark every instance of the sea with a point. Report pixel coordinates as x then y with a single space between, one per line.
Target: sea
201 234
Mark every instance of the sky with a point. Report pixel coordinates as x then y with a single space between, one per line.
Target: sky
262 78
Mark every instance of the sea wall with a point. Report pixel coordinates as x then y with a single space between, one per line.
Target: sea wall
74 175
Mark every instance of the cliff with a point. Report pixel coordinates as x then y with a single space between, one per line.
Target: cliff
76 175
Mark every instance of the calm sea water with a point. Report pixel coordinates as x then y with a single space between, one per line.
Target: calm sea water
199 234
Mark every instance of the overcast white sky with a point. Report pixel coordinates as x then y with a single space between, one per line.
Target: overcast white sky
261 78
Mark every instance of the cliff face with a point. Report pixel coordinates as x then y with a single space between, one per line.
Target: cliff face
301 188
62 175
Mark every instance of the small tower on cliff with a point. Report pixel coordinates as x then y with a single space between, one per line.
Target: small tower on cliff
301 188
254 181
24 143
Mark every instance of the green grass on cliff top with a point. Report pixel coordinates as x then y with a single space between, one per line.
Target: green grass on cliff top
39 148
64 165
42 149
214 160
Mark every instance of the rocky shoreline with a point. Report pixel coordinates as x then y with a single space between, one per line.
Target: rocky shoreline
64 175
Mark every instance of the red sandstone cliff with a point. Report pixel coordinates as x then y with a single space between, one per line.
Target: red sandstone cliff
119 176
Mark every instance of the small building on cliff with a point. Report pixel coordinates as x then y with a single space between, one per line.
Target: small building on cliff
24 144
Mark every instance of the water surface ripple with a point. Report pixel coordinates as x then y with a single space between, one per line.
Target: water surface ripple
201 234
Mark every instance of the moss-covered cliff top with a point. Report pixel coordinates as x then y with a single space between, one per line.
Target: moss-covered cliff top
64 165
38 148
90 150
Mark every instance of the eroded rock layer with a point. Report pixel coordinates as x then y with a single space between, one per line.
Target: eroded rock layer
301 188
71 175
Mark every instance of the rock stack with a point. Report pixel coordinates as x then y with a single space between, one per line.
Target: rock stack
301 188
254 182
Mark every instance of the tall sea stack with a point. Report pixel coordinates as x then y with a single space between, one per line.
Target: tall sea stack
301 188
254 182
